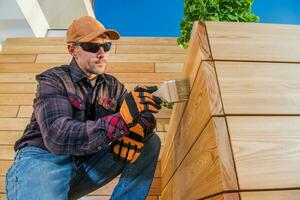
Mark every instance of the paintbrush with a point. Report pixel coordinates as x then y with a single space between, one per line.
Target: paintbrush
173 91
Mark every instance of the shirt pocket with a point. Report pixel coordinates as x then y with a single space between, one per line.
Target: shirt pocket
78 108
106 106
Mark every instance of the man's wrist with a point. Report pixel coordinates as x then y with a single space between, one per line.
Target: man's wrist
115 126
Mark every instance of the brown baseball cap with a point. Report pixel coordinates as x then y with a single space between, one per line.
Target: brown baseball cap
86 28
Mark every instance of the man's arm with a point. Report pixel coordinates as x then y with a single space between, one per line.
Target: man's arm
61 133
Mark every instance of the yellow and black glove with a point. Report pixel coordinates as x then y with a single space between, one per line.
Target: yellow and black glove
138 101
128 148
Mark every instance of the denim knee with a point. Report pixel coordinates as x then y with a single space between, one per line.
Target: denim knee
153 145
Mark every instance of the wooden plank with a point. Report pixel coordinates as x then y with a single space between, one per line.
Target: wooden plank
17 77
16 99
26 67
33 49
190 70
7 152
149 58
4 166
53 58
13 124
9 137
37 49
209 161
35 41
2 184
162 125
259 88
3 197
123 77
266 151
25 111
11 58
204 102
8 111
163 113
108 188
125 67
17 88
254 41
271 195
147 40
122 40
225 196
149 49
168 67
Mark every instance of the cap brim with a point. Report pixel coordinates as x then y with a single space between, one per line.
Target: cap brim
112 35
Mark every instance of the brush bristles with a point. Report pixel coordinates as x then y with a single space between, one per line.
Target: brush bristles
174 90
183 89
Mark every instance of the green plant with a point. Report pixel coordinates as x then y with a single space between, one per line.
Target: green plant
167 105
213 10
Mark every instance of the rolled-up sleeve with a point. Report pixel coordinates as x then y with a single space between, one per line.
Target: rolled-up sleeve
61 133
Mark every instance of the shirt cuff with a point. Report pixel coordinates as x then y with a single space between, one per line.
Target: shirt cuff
115 126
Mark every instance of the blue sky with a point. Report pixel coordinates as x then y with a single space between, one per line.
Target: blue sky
161 18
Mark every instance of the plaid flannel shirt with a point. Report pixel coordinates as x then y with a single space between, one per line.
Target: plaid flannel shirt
72 118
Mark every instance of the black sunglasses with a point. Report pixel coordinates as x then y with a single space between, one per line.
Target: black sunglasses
94 47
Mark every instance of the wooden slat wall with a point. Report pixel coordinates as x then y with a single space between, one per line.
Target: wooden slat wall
239 130
132 60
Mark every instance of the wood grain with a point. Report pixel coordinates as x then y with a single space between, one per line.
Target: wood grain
4 166
8 111
204 102
208 166
271 195
16 99
122 40
190 70
259 88
149 49
13 124
17 88
225 196
266 151
168 67
254 41
16 58
9 137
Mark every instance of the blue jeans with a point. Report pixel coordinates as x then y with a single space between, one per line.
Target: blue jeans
38 174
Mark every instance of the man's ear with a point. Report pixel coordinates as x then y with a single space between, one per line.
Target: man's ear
72 50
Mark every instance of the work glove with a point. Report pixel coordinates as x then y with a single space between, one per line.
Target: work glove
137 101
128 148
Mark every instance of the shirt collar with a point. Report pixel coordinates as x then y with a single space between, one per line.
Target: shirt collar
77 74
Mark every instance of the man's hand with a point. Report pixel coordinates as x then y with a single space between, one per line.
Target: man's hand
128 148
137 102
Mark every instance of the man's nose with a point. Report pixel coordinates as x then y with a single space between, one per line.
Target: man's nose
101 51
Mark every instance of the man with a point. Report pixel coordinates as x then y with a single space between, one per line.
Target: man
86 128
